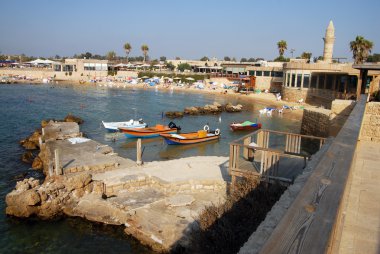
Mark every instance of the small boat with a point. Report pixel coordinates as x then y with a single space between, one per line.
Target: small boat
114 126
149 132
191 137
245 126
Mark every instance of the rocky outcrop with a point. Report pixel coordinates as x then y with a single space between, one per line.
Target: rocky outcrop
231 108
27 157
72 118
57 195
214 108
174 114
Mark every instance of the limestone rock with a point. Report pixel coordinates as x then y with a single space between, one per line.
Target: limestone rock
174 114
35 137
29 145
78 181
72 118
37 163
27 157
179 200
231 108
24 198
191 111
22 185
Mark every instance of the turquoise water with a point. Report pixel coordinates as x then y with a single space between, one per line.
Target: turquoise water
22 107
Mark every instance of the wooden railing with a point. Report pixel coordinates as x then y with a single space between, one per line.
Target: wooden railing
271 155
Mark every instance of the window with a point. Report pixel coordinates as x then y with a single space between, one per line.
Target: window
252 73
293 79
68 68
321 84
299 80
277 74
259 73
288 80
267 73
329 81
306 79
57 67
313 81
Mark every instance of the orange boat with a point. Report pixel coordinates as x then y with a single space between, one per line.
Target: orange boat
191 137
149 132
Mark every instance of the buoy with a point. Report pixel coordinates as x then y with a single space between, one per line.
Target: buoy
217 132
206 127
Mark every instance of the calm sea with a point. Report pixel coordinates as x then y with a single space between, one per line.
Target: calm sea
22 107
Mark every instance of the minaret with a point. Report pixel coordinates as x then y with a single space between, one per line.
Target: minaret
329 43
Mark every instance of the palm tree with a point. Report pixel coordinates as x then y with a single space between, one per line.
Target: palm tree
360 48
127 47
306 55
145 50
282 46
111 55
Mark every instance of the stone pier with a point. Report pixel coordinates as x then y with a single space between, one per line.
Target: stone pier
157 202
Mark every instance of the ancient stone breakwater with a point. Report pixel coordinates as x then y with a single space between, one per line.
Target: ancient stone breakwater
157 203
214 108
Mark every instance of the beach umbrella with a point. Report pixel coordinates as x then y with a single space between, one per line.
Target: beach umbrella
177 78
144 77
190 78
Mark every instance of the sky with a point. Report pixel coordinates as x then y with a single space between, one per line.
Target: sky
185 29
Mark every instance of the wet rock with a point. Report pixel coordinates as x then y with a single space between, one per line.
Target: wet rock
27 157
29 145
35 137
23 198
37 163
72 118
213 109
231 108
174 114
191 111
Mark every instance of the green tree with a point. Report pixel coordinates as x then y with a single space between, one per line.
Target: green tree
170 66
145 49
205 58
233 59
360 48
177 58
373 58
251 59
184 66
162 58
281 59
306 55
282 46
127 47
111 55
226 58
243 60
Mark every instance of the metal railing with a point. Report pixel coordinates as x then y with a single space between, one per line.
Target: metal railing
271 155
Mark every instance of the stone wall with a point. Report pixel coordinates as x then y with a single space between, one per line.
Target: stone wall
37 73
268 83
371 123
317 97
324 122
316 122
340 111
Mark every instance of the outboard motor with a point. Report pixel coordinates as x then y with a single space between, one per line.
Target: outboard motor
173 125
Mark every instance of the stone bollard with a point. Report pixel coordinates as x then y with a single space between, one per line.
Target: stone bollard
58 169
139 152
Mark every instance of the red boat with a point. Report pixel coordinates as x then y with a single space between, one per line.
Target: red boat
245 126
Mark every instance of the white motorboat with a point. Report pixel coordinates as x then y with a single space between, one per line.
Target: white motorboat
114 126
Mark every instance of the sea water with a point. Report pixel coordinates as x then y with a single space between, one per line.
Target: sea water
22 107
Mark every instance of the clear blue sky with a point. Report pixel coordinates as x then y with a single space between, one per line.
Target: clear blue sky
188 29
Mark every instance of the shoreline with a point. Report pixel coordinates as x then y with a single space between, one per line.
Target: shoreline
267 99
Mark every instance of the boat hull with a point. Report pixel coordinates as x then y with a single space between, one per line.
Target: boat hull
253 127
187 138
114 126
145 132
